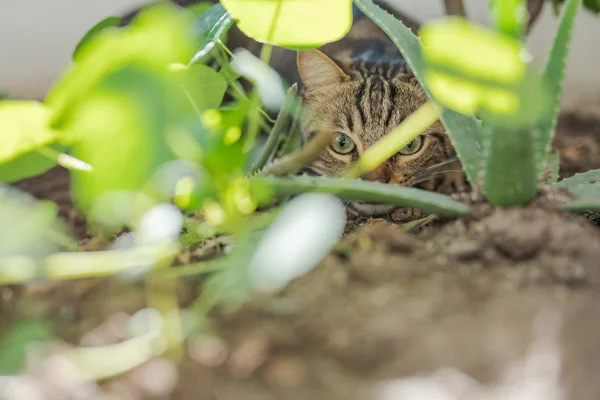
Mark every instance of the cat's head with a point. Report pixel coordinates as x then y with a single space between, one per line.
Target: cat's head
361 103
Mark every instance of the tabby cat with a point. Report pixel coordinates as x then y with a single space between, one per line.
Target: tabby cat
359 89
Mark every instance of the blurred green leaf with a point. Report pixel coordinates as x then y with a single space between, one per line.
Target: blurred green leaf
208 29
24 127
464 131
156 38
589 177
582 203
472 69
28 165
363 191
553 78
121 127
14 341
109 23
510 16
27 226
199 8
202 87
292 24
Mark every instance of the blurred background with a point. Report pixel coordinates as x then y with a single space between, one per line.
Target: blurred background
37 38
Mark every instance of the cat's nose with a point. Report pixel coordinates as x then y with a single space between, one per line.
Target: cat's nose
380 174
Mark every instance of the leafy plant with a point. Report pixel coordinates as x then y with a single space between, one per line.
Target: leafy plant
153 115
476 71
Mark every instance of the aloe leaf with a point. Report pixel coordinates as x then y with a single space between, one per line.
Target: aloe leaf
364 191
584 203
465 131
510 170
208 29
553 78
588 177
553 168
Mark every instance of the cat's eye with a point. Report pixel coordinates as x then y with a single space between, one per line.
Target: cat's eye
412 147
343 144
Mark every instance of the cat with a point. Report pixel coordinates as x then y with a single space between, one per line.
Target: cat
359 89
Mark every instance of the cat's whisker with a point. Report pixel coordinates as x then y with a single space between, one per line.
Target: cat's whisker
432 175
445 162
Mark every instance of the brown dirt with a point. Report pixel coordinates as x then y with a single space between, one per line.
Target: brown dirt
387 304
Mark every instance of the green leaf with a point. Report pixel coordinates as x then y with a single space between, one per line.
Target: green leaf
475 70
202 85
465 131
14 341
292 24
28 165
208 29
27 226
553 169
109 23
553 78
24 127
199 8
363 191
156 38
589 177
584 203
121 128
510 16
510 173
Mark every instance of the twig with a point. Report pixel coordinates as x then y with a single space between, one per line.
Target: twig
534 8
287 139
294 162
455 7
277 130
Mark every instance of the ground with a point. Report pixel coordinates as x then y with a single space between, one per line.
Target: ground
506 297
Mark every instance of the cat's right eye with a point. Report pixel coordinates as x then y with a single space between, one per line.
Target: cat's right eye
343 144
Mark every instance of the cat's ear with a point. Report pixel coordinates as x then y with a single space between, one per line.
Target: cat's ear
317 70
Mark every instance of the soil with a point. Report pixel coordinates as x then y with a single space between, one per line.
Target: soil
498 297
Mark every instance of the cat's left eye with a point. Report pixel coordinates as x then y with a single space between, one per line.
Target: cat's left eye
412 147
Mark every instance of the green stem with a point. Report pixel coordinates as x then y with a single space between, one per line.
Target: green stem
390 144
363 191
276 131
295 162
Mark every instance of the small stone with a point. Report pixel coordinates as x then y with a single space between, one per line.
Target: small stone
515 238
465 249
210 351
286 372
247 357
157 377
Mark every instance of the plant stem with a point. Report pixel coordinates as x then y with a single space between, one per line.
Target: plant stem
455 7
391 143
364 191
276 131
296 161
